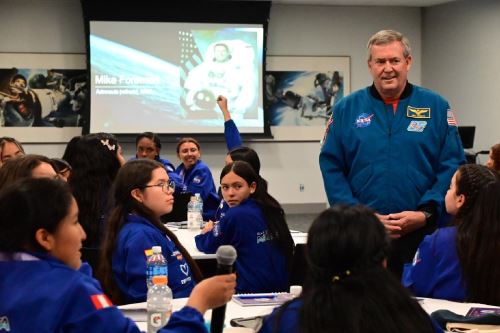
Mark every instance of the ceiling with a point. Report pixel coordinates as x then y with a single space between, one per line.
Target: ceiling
407 3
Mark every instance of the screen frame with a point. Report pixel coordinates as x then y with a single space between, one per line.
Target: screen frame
226 12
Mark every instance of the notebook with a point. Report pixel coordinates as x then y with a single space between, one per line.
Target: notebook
262 299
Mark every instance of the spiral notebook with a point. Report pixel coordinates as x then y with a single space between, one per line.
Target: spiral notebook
262 299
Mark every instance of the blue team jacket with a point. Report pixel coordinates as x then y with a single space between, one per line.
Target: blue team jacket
129 260
45 295
260 265
199 179
390 162
436 271
232 135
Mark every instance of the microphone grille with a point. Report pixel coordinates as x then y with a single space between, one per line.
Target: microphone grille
226 255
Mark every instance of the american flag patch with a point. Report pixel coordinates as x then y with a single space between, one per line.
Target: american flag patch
100 301
451 118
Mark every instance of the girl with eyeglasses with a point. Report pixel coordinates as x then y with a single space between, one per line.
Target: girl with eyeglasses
142 192
255 225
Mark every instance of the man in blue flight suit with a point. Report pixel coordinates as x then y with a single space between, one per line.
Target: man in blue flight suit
394 147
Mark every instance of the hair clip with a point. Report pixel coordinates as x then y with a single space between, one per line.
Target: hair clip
106 143
336 278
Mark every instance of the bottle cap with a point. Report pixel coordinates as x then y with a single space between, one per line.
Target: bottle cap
160 279
156 249
295 290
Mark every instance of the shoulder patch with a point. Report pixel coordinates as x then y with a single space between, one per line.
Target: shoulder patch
450 117
327 129
101 301
197 180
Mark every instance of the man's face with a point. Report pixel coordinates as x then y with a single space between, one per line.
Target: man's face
221 53
389 69
18 85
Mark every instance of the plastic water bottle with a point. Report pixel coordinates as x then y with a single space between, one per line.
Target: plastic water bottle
194 214
156 265
159 304
199 202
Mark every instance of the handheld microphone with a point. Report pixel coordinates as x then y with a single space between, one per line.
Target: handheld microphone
226 255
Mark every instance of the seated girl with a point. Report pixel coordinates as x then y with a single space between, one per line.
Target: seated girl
460 263
40 287
142 193
348 288
196 175
255 225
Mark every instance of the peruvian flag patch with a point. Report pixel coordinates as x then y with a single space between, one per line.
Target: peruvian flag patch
101 301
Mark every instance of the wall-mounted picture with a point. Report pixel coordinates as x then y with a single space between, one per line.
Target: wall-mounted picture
46 91
300 93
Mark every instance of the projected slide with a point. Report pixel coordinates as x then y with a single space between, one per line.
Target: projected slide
165 77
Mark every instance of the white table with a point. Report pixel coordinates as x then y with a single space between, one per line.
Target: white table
186 237
233 310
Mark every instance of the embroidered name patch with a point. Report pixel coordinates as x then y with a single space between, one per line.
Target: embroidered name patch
417 126
419 113
363 120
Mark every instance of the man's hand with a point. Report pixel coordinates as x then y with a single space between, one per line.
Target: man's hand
400 224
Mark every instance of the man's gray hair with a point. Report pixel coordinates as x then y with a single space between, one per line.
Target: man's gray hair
388 36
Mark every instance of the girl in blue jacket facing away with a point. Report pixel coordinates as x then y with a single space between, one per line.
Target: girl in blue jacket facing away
255 225
196 175
348 288
40 287
460 262
142 193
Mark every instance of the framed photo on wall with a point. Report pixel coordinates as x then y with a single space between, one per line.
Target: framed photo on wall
42 96
300 92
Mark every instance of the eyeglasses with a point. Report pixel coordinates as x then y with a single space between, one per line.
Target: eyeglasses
166 187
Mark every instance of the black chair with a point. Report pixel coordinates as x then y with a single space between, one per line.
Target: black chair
299 266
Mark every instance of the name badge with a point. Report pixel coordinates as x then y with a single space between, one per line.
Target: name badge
418 113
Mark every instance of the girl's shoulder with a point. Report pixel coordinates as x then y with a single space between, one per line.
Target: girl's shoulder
246 207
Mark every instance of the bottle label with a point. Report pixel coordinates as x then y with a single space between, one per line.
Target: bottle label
155 319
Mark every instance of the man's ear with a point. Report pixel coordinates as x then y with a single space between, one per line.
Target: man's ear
137 194
45 239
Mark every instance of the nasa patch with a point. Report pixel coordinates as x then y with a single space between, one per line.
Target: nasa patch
197 180
363 120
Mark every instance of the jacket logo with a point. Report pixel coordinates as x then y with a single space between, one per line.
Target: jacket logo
364 120
4 324
418 113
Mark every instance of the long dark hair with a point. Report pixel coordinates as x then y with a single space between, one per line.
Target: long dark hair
478 232
495 157
134 174
348 289
271 208
30 204
250 156
94 163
